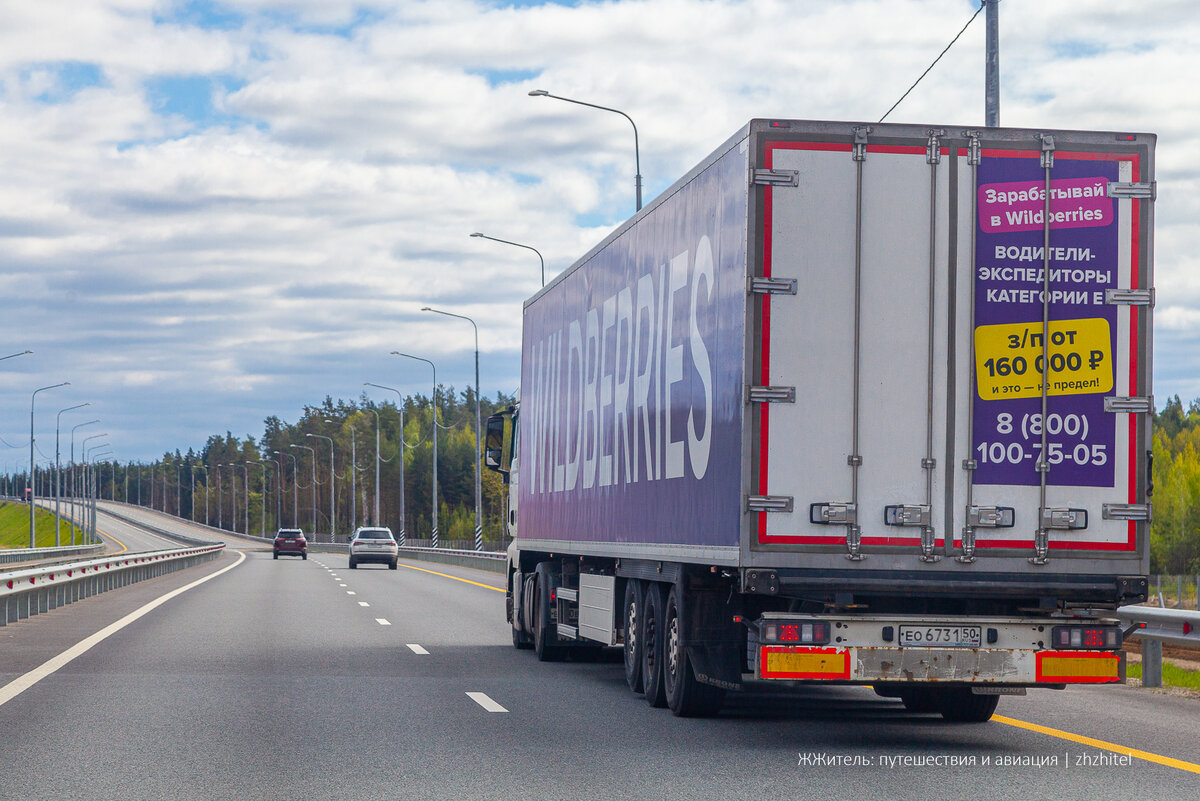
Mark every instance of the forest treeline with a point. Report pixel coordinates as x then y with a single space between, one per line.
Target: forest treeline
1175 530
276 466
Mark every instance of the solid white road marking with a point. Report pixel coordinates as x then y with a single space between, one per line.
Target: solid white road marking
485 702
20 685
382 621
416 649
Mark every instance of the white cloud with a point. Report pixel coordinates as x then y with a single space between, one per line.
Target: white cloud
279 244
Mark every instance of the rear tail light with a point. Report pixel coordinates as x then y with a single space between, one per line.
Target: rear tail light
814 632
1086 637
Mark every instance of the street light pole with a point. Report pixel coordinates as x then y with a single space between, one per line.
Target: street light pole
375 517
295 485
332 485
58 473
400 453
206 493
352 471
32 482
517 244
74 487
278 491
478 476
220 511
314 488
636 151
262 523
435 440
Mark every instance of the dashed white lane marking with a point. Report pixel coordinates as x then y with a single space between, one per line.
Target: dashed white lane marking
485 702
350 592
341 585
416 649
382 621
363 603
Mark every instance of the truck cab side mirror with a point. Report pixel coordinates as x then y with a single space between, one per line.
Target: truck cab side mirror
497 449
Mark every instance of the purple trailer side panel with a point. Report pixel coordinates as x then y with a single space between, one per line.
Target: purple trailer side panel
632 379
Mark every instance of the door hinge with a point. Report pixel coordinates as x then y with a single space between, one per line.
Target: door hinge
1129 297
1133 191
1136 405
773 286
775 178
771 394
1127 511
769 503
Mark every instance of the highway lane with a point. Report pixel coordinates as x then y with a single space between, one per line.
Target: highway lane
275 681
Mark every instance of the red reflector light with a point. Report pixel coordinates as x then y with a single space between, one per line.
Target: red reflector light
1086 637
807 633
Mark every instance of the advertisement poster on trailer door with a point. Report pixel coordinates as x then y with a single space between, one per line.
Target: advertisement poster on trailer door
1080 435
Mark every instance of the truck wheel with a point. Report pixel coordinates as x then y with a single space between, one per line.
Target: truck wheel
919 700
960 705
541 609
634 595
686 696
652 646
520 641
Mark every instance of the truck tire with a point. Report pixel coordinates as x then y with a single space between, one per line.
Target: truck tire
686 696
919 700
960 705
520 639
652 646
634 596
546 652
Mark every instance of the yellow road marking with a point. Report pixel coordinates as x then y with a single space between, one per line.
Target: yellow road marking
124 547
1191 767
456 578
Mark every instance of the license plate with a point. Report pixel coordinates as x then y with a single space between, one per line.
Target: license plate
942 636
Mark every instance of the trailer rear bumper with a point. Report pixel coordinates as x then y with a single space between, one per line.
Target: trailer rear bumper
1008 666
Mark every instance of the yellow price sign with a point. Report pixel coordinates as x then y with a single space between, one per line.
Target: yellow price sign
1008 359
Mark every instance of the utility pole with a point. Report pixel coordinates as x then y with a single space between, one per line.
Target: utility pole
992 65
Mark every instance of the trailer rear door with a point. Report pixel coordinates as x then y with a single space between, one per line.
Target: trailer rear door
915 340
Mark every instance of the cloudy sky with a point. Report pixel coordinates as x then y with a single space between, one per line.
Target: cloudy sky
216 210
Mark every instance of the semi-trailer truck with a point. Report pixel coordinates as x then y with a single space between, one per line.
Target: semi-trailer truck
847 404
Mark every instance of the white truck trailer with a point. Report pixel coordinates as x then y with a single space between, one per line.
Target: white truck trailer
849 403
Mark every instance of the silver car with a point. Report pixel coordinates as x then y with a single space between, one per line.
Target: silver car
373 545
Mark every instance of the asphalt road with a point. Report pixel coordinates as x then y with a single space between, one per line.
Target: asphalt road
296 679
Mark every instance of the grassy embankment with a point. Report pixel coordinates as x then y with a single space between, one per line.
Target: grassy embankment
1173 675
14 527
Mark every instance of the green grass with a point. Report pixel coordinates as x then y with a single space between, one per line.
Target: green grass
14 527
1173 675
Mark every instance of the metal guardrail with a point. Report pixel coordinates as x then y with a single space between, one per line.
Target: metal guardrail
33 590
1157 626
9 556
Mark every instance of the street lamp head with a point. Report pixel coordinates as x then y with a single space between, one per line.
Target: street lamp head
426 308
538 93
476 234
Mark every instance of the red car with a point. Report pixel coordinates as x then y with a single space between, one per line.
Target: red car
291 542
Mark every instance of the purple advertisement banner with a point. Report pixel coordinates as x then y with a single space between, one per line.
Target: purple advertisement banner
631 379
1007 434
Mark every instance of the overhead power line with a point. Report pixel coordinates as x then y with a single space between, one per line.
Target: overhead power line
935 61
